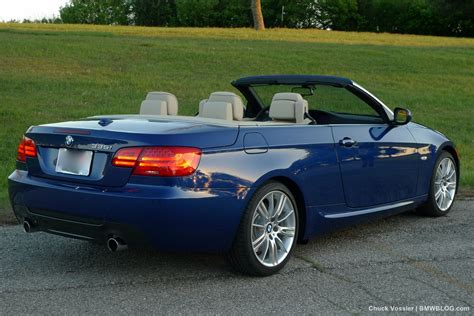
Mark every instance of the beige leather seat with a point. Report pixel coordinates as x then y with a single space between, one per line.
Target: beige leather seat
159 103
288 107
217 106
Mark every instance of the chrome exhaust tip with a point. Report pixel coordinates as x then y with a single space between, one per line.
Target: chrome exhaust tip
116 244
28 226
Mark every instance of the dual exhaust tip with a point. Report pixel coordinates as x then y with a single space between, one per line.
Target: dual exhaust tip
28 226
116 244
113 243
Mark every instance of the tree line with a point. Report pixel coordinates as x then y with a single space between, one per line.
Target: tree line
429 17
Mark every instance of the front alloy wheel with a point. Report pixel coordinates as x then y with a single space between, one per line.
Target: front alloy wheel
267 233
443 187
445 184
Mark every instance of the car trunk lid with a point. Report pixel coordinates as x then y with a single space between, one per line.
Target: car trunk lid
101 137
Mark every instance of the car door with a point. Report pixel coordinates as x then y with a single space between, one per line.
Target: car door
378 161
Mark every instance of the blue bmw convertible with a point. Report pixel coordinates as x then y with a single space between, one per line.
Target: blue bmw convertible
278 161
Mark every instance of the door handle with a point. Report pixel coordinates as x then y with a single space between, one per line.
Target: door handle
347 142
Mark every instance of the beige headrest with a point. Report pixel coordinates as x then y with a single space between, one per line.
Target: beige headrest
290 96
154 107
288 107
216 110
233 99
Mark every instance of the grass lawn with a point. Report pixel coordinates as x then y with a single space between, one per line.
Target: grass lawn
51 73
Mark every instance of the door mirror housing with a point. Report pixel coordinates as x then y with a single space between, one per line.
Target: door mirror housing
401 116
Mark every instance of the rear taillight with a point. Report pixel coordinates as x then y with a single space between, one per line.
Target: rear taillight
167 161
26 148
159 161
126 157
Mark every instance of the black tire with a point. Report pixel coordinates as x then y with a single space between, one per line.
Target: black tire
431 208
241 256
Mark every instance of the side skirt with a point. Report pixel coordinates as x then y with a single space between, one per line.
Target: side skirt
370 210
324 219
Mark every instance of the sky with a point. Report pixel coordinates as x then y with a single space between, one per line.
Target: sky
29 9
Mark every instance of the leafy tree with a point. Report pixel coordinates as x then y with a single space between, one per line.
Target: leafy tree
455 17
435 17
290 13
154 12
198 13
96 12
220 13
402 16
232 13
338 14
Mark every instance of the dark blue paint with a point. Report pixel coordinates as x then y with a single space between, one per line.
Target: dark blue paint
339 185
255 143
382 167
172 218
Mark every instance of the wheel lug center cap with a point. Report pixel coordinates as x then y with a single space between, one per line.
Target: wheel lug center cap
269 228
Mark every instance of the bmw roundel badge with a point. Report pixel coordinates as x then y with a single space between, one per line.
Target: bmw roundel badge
69 140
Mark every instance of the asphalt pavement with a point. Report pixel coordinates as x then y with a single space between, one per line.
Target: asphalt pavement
405 261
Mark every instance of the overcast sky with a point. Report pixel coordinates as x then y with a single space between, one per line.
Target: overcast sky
29 9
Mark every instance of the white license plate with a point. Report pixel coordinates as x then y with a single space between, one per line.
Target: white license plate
76 162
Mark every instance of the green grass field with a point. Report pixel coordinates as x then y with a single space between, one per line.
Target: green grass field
52 73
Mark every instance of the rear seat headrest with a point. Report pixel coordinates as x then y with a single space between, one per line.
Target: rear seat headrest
233 99
216 110
288 106
154 107
159 103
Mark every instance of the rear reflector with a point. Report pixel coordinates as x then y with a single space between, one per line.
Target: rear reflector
26 148
159 161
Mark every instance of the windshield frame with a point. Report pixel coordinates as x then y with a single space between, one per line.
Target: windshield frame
258 104
255 105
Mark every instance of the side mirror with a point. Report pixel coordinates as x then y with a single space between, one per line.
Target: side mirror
401 116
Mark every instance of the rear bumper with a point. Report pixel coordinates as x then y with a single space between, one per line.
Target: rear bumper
165 217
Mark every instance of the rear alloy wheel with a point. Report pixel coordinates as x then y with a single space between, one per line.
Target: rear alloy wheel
443 187
267 233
